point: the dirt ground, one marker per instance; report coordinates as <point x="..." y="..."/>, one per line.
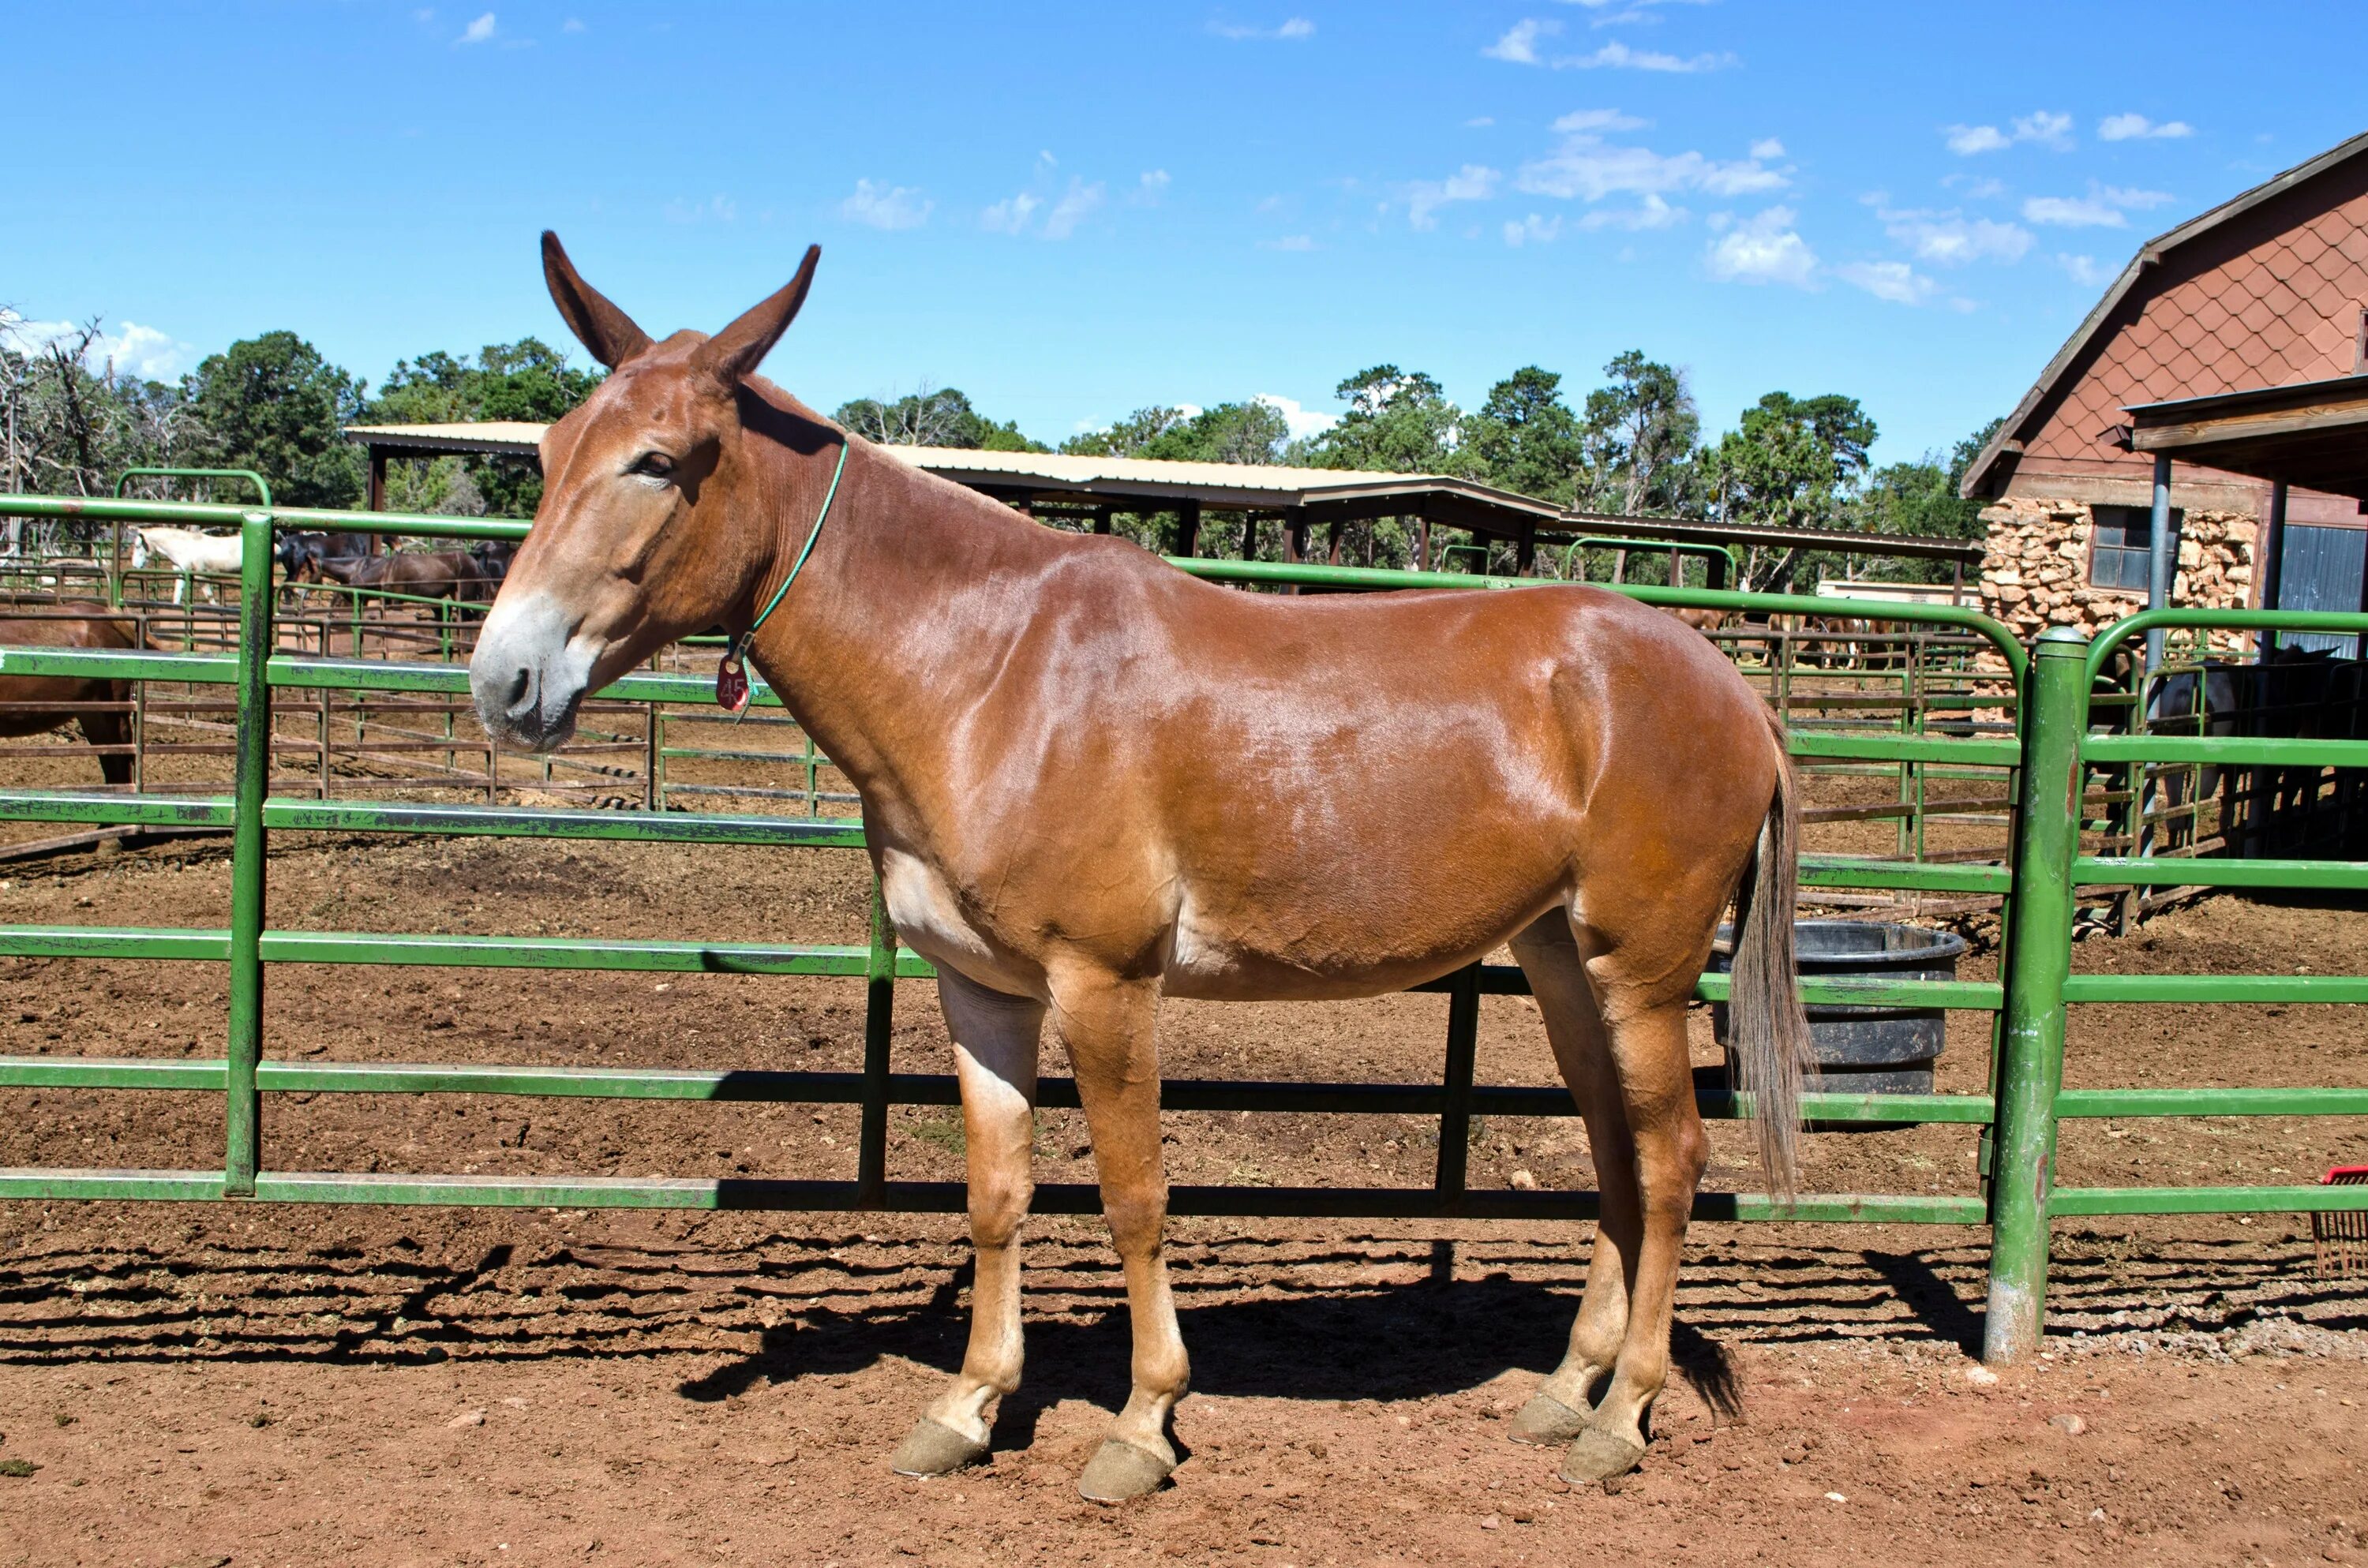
<point x="207" y="1385"/>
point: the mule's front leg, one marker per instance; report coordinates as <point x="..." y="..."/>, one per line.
<point x="994" y="1057"/>
<point x="1107" y="1025"/>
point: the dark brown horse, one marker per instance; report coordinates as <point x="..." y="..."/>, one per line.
<point x="429" y="574"/>
<point x="1089" y="780"/>
<point x="26" y="702"/>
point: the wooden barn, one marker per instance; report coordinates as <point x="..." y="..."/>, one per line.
<point x="2227" y="359"/>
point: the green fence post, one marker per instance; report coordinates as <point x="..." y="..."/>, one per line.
<point x="250" y="782"/>
<point x="2039" y="955"/>
<point x="878" y="1015"/>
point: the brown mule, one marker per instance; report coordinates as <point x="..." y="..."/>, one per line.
<point x="22" y="698"/>
<point x="1090" y="780"/>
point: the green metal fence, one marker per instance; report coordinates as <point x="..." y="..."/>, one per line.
<point x="2022" y="1112"/>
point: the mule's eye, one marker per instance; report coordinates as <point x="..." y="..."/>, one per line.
<point x="652" y="465"/>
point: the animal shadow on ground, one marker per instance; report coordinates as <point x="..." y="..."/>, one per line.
<point x="1349" y="1317"/>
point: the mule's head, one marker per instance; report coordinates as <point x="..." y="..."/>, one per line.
<point x="654" y="524"/>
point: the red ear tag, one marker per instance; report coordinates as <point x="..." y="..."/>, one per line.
<point x="732" y="684"/>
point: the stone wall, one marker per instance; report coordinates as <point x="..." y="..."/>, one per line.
<point x="2035" y="569"/>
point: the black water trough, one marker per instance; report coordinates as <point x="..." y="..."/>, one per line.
<point x="1866" y="1051"/>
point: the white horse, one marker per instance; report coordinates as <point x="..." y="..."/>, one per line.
<point x="185" y="551"/>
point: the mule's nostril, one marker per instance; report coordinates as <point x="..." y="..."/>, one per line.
<point x="521" y="692"/>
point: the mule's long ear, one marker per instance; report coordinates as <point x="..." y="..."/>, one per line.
<point x="738" y="349"/>
<point x="597" y="322"/>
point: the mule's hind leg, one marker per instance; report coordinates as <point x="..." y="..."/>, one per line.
<point x="1649" y="1054"/>
<point x="1558" y="1412"/>
<point x="1107" y="1025"/>
<point x="994" y="1058"/>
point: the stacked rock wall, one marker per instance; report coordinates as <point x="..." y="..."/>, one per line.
<point x="2035" y="570"/>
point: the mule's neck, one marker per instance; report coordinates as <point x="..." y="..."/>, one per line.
<point x="912" y="596"/>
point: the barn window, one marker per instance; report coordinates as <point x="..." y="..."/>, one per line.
<point x="2124" y="538"/>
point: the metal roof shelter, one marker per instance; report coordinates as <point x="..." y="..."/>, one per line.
<point x="1096" y="487"/>
<point x="1302" y="499"/>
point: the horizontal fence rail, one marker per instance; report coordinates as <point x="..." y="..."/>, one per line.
<point x="2045" y="705"/>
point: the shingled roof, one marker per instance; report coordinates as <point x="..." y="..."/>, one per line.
<point x="2263" y="290"/>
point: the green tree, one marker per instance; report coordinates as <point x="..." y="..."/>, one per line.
<point x="938" y="416"/>
<point x="1792" y="464"/>
<point x="1637" y="435"/>
<point x="1920" y="499"/>
<point x="1399" y="421"/>
<point x="1525" y="439"/>
<point x="274" y="405"/>
<point x="526" y="380"/>
<point x="1250" y="432"/>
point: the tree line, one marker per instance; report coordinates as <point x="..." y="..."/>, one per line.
<point x="1632" y="445"/>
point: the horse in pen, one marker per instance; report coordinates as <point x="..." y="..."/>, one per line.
<point x="34" y="705"/>
<point x="1611" y="782"/>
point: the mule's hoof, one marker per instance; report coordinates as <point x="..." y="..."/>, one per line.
<point x="935" y="1449"/>
<point x="1547" y="1421"/>
<point x="1598" y="1455"/>
<point x="1120" y="1470"/>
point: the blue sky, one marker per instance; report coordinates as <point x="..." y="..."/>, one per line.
<point x="1072" y="211"/>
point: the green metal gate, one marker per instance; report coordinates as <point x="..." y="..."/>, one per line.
<point x="2022" y="1112"/>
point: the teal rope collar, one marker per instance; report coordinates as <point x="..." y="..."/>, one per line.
<point x="732" y="676"/>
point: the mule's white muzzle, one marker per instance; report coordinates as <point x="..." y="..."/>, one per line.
<point x="530" y="673"/>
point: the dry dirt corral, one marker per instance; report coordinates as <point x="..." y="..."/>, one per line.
<point x="282" y="1386"/>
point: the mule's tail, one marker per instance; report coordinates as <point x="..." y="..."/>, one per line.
<point x="1767" y="1027"/>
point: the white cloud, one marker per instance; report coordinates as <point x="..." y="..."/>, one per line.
<point x="1010" y="216"/>
<point x="146" y="352"/>
<point x="477" y="31"/>
<point x="1152" y="186"/>
<point x="1588" y="167"/>
<point x="2127" y="127"/>
<point x="1762" y="249"/>
<point x="1618" y="56"/>
<point x="1767" y="147"/>
<point x="2042" y="127"/>
<point x="2085" y="270"/>
<point x="1292" y="29"/>
<point x="1892" y="281"/>
<point x="1950" y="239"/>
<point x="1532" y="230"/>
<point x="1519" y="44"/>
<point x="1480" y="122"/>
<point x="887" y="207"/>
<point x="1650" y="213"/>
<point x="1301" y="422"/>
<point x="2103" y="208"/>
<point x="573" y="25"/>
<point x="1075" y="207"/>
<point x="1472" y="182"/>
<point x="1290" y="242"/>
<point x="1583" y="119"/>
<point x="715" y="208"/>
<point x="1610" y="13"/>
<point x="2054" y="131"/>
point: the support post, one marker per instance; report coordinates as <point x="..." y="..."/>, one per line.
<point x="1250" y="536"/>
<point x="1101" y="519"/>
<point x="2162" y="557"/>
<point x="243" y="1109"/>
<point x="1187" y="529"/>
<point x="378" y="479"/>
<point x="879" y="1020"/>
<point x="2039" y="951"/>
<point x="1463" y="1049"/>
<point x="2269" y="564"/>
